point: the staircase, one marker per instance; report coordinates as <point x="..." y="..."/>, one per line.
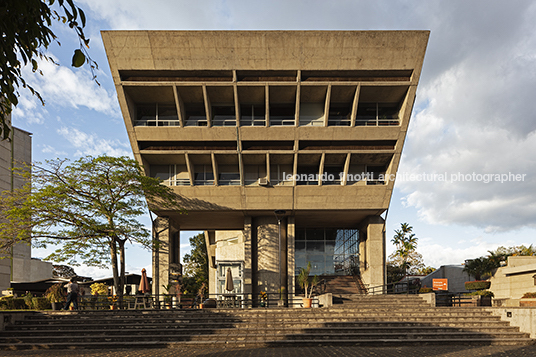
<point x="386" y="320"/>
<point x="341" y="284"/>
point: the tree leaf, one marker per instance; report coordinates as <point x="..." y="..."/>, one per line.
<point x="78" y="58"/>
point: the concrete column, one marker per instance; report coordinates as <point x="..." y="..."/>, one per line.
<point x="291" y="263"/>
<point x="266" y="272"/>
<point x="372" y="251"/>
<point x="248" y="254"/>
<point x="210" y="241"/>
<point x="165" y="270"/>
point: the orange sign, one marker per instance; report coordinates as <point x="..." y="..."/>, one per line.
<point x="440" y="284"/>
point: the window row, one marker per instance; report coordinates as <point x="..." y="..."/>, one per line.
<point x="188" y="106"/>
<point x="271" y="170"/>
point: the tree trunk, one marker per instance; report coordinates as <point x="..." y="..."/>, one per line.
<point x="113" y="252"/>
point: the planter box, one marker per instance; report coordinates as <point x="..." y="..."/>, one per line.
<point x="527" y="302"/>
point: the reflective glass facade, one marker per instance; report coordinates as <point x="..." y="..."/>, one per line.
<point x="331" y="251"/>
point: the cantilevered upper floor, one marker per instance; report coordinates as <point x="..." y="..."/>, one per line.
<point x="251" y="121"/>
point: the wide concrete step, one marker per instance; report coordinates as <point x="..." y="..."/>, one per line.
<point x="256" y="343"/>
<point x="376" y="328"/>
<point x="429" y="320"/>
<point x="234" y="335"/>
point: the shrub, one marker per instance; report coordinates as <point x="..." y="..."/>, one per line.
<point x="425" y="290"/>
<point x="28" y="300"/>
<point x="55" y="293"/>
<point x="99" y="289"/>
<point x="41" y="303"/>
<point x="477" y="285"/>
<point x="529" y="296"/>
<point x="12" y="303"/>
<point x="481" y="293"/>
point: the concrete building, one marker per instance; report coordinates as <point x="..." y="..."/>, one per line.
<point x="18" y="266"/>
<point x="515" y="279"/>
<point x="245" y="123"/>
<point x="453" y="273"/>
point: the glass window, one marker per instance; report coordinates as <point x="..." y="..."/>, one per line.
<point x="330" y="250"/>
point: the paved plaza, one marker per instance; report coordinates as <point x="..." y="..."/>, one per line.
<point x="404" y="351"/>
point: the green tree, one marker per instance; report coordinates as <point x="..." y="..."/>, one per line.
<point x="26" y="34"/>
<point x="196" y="264"/>
<point x="406" y="255"/>
<point x="425" y="270"/>
<point x="479" y="267"/>
<point x="88" y="209"/>
<point x="394" y="273"/>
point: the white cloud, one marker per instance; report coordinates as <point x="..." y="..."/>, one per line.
<point x="91" y="144"/>
<point x="47" y="149"/>
<point x="62" y="87"/>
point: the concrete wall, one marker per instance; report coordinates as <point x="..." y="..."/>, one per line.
<point x="20" y="151"/>
<point x="27" y="270"/>
<point x="455" y="275"/>
<point x="524" y="318"/>
<point x="515" y="279"/>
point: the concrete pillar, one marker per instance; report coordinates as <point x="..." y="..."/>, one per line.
<point x="372" y="251"/>
<point x="210" y="241"/>
<point x="291" y="264"/>
<point x="265" y="257"/>
<point x="166" y="254"/>
<point x="248" y="256"/>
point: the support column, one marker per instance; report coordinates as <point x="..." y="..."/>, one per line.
<point x="210" y="242"/>
<point x="291" y="263"/>
<point x="372" y="251"/>
<point x="166" y="254"/>
<point x="266" y="251"/>
<point x="248" y="256"/>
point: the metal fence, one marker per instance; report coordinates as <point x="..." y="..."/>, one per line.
<point x="172" y="301"/>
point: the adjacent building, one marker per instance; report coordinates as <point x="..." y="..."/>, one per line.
<point x="283" y="146"/>
<point x="19" y="265"/>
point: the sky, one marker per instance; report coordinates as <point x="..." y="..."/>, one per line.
<point x="467" y="177"/>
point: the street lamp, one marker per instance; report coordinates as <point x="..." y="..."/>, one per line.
<point x="279" y="214"/>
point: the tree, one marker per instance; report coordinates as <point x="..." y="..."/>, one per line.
<point x="63" y="271"/>
<point x="88" y="206"/>
<point x="425" y="270"/>
<point x="395" y="273"/>
<point x="406" y="255"/>
<point x="196" y="264"/>
<point x="479" y="266"/>
<point x="26" y="34"/>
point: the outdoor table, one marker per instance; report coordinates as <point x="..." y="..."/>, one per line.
<point x="144" y="302"/>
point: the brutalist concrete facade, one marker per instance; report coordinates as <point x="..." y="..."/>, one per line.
<point x="18" y="266"/>
<point x="244" y="123"/>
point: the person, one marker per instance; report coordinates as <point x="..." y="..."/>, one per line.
<point x="72" y="294"/>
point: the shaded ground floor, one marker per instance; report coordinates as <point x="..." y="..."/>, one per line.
<point x="269" y="251"/>
<point x="339" y="351"/>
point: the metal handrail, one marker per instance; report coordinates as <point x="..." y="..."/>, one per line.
<point x="188" y="301"/>
<point x="404" y="287"/>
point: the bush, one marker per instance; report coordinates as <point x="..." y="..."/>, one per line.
<point x="41" y="303"/>
<point x="477" y="285"/>
<point x="529" y="296"/>
<point x="28" y="300"/>
<point x="11" y="303"/>
<point x="99" y="289"/>
<point x="481" y="293"/>
<point x="425" y="290"/>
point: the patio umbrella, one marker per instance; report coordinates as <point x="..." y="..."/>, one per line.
<point x="144" y="283"/>
<point x="229" y="286"/>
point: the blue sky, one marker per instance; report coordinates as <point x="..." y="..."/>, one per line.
<point x="475" y="108"/>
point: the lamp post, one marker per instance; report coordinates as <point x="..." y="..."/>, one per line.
<point x="279" y="214"/>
